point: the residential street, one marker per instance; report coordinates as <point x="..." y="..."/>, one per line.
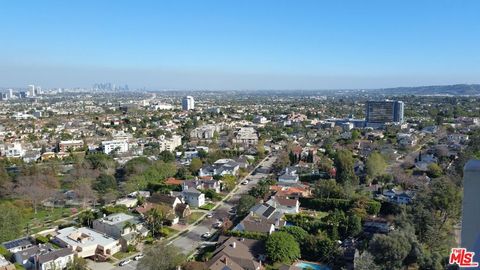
<point x="189" y="241"/>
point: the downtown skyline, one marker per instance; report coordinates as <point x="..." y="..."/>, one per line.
<point x="247" y="45"/>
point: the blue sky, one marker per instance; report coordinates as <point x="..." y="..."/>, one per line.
<point x="239" y="44"/>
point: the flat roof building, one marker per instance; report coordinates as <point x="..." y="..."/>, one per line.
<point x="379" y="113"/>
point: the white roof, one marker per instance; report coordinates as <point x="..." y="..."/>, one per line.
<point x="117" y="218"/>
<point x="83" y="237"/>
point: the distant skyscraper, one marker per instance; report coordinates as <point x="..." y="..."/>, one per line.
<point x="10" y="93"/>
<point x="470" y="235"/>
<point x="188" y="103"/>
<point x="31" y="90"/>
<point x="382" y="112"/>
<point x="38" y="90"/>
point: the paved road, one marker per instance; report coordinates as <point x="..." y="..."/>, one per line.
<point x="191" y="240"/>
<point x="188" y="242"/>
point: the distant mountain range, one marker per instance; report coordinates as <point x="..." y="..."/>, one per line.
<point x="455" y="90"/>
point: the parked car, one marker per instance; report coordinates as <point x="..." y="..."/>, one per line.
<point x="209" y="215"/>
<point x="206" y="235"/>
<point x="245" y="182"/>
<point x="125" y="262"/>
<point x="138" y="257"/>
<point x="218" y="225"/>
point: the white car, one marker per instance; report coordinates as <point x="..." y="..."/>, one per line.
<point x="206" y="235"/>
<point x="138" y="257"/>
<point x="245" y="182"/>
<point x="209" y="215"/>
<point x="218" y="225"/>
<point x="125" y="262"/>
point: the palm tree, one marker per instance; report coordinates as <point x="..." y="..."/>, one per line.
<point x="155" y="218"/>
<point x="129" y="225"/>
<point x="86" y="218"/>
<point x="133" y="229"/>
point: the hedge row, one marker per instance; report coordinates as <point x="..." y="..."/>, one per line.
<point x="328" y="204"/>
<point x="248" y="235"/>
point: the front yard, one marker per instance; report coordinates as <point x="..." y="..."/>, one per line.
<point x="194" y="217"/>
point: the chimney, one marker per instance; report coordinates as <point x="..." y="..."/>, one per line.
<point x="225" y="260"/>
<point x="234" y="245"/>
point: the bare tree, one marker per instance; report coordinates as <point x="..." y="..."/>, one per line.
<point x="36" y="185"/>
<point x="83" y="189"/>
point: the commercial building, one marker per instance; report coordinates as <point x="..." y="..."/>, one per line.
<point x="246" y="136"/>
<point x="169" y="144"/>
<point x="119" y="145"/>
<point x="382" y="112"/>
<point x="63" y="146"/>
<point x="188" y="103"/>
<point x="205" y="132"/>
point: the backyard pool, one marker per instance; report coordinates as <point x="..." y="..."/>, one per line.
<point x="310" y="265"/>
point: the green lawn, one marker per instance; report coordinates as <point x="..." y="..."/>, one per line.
<point x="45" y="218"/>
<point x="194" y="217"/>
<point x="123" y="255"/>
<point x="207" y="206"/>
<point x="168" y="231"/>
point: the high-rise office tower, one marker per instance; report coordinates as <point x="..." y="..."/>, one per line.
<point x="31" y="90"/>
<point x="38" y="90"/>
<point x="10" y="93"/>
<point x="382" y="112"/>
<point x="470" y="235"/>
<point x="188" y="103"/>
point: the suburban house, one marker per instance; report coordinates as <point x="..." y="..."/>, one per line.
<point x="286" y="205"/>
<point x="17" y="244"/>
<point x="424" y="160"/>
<point x="44" y="257"/>
<point x="220" y="167"/>
<point x="202" y="184"/>
<point x="237" y="254"/>
<point x="398" y="197"/>
<point x="87" y="242"/>
<point x="121" y="225"/>
<point x="193" y="197"/>
<point x="55" y="259"/>
<point x="270" y="213"/>
<point x="177" y="208"/>
<point x="290" y="176"/>
<point x="255" y="223"/>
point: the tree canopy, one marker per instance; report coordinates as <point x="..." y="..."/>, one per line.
<point x="282" y="247"/>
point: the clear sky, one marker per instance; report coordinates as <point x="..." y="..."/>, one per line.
<point x="226" y="44"/>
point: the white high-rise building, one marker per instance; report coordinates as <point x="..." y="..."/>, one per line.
<point x="10" y="93"/>
<point x="38" y="90"/>
<point x="188" y="103"/>
<point x="31" y="90"/>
